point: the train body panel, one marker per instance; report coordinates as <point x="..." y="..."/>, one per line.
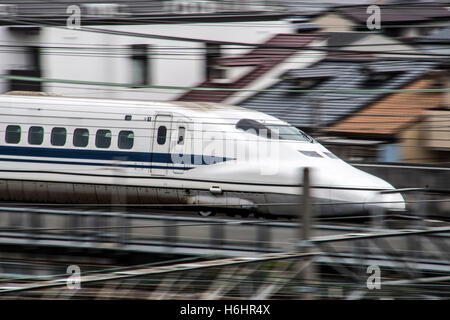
<point x="75" y="150"/>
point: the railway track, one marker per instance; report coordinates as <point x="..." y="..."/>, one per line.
<point x="143" y="229"/>
<point x="342" y="244"/>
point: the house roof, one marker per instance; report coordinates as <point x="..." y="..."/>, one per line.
<point x="398" y="14"/>
<point x="391" y="114"/>
<point x="262" y="59"/>
<point x="315" y="7"/>
<point x="307" y="110"/>
<point x="137" y="11"/>
<point x="439" y="36"/>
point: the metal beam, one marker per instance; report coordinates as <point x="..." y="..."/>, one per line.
<point x="141" y="272"/>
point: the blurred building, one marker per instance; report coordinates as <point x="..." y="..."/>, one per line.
<point x="322" y="111"/>
<point x="437" y="42"/>
<point x="400" y="127"/>
<point x="236" y="78"/>
<point x="263" y="67"/>
<point x="401" y="20"/>
<point x="134" y="43"/>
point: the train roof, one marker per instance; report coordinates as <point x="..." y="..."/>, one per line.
<point x="117" y="106"/>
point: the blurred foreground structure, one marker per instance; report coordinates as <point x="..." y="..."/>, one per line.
<point x="216" y="258"/>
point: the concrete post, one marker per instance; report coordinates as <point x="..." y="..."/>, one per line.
<point x="306" y="234"/>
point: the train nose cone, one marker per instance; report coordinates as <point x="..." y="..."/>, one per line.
<point x="387" y="201"/>
<point x="385" y="197"/>
<point x="354" y="190"/>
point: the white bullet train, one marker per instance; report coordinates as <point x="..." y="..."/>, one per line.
<point x="210" y="157"/>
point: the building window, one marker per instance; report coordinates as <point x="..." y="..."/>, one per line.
<point x="103" y="139"/>
<point x="389" y="152"/>
<point x="35" y="135"/>
<point x="30" y="68"/>
<point x="140" y="75"/>
<point x="304" y="84"/>
<point x="12" y="134"/>
<point x="393" y="32"/>
<point x="378" y="79"/>
<point x="162" y="135"/>
<point x="354" y="153"/>
<point x="212" y="53"/>
<point x="58" y="137"/>
<point x="126" y="139"/>
<point x="34" y="58"/>
<point x="80" y="137"/>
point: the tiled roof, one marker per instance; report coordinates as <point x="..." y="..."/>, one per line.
<point x="38" y="8"/>
<point x="140" y="11"/>
<point x="342" y="39"/>
<point x="263" y="60"/>
<point x="397" y="14"/>
<point x="439" y="36"/>
<point x="389" y="115"/>
<point x="304" y="110"/>
<point x="315" y="7"/>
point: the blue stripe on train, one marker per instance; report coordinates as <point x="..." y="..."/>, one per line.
<point x="92" y="164"/>
<point x="85" y="154"/>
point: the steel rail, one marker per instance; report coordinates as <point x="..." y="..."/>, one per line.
<point x="162" y="270"/>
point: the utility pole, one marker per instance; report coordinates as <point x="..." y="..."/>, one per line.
<point x="306" y="211"/>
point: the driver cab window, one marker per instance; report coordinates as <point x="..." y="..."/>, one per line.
<point x="254" y="126"/>
<point x="273" y="131"/>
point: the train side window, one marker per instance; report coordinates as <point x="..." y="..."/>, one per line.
<point x="162" y="135"/>
<point x="58" y="136"/>
<point x="13" y="134"/>
<point x="126" y="140"/>
<point x="181" y="134"/>
<point x="35" y="135"/>
<point x="80" y="137"/>
<point x="103" y="139"/>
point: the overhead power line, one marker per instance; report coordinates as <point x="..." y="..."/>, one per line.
<point x="132" y="85"/>
<point x="36" y="22"/>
